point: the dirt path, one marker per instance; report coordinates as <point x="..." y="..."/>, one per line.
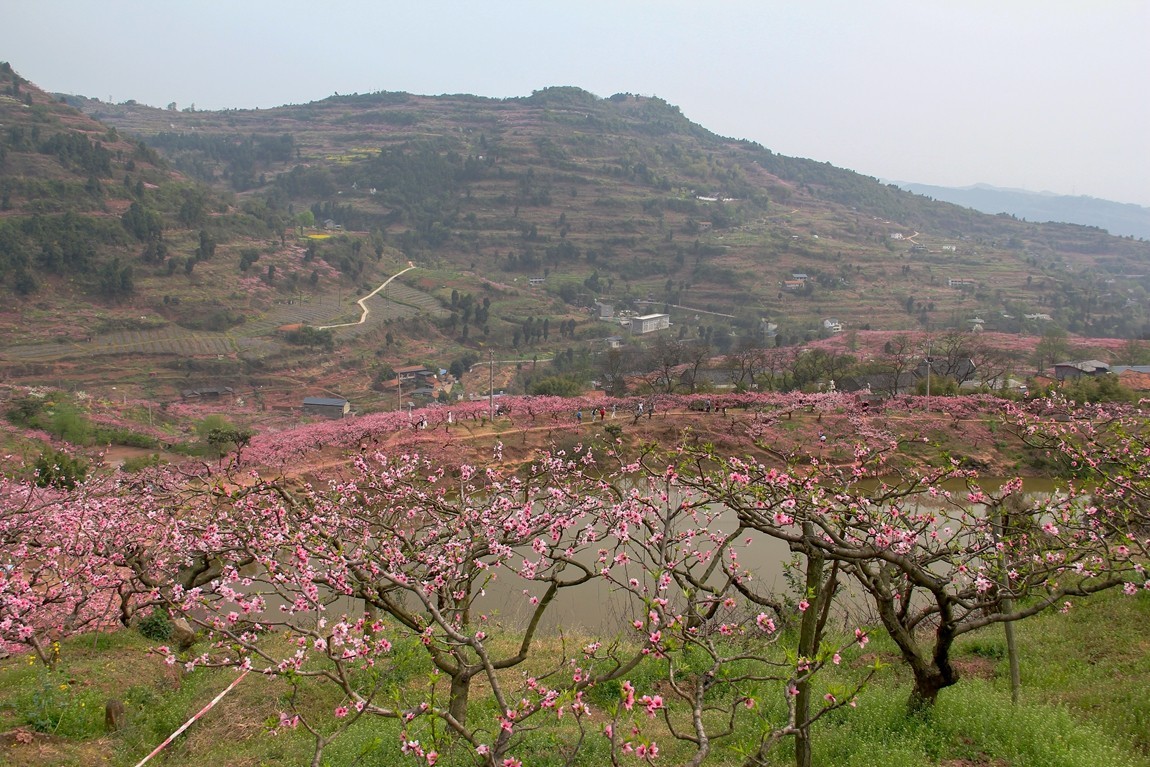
<point x="364" y="310"/>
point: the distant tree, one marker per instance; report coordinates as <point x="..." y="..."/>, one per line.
<point x="192" y="209"/>
<point x="116" y="280"/>
<point x="313" y="337"/>
<point x="248" y="256"/>
<point x="207" y="247"/>
<point x="1052" y="348"/>
<point x="557" y="386"/>
<point x="142" y="223"/>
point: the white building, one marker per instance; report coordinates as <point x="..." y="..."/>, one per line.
<point x="649" y="323"/>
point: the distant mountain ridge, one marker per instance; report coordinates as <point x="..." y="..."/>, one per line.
<point x="1118" y="218"/>
<point x="538" y="204"/>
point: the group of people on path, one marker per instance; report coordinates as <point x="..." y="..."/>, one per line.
<point x="596" y="412"/>
<point x="641" y="409"/>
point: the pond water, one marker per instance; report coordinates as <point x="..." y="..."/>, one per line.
<point x="601" y="609"/>
<point x="598" y="607"/>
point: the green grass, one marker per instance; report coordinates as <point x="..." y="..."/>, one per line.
<point x="1085" y="703"/>
<point x="973" y="721"/>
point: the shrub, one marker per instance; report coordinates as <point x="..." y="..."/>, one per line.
<point x="139" y="463"/>
<point x="56" y="468"/>
<point x="157" y="626"/>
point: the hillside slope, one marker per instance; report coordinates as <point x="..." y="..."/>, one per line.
<point x="626" y="200"/>
<point x="107" y="251"/>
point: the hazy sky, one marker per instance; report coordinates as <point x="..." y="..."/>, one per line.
<point x="1036" y="94"/>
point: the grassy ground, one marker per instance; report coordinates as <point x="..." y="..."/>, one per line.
<point x="1085" y="701"/>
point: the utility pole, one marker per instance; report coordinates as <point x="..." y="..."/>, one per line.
<point x="491" y="386"/>
<point x="928" y="367"/>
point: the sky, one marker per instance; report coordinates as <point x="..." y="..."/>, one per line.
<point x="1044" y="95"/>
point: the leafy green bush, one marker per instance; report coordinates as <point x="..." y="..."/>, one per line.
<point x="156" y="625"/>
<point x="311" y="337"/>
<point x="133" y="465"/>
<point x="56" y="468"/>
<point x="27" y="412"/>
<point x="121" y="436"/>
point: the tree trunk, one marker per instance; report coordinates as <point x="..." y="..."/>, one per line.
<point x="929" y="680"/>
<point x="457" y="702"/>
<point x="809" y="636"/>
<point x="924" y="694"/>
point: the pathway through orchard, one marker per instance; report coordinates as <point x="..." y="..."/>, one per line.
<point x="463" y="431"/>
<point x="365" y="311"/>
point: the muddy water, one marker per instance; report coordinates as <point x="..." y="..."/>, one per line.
<point x="600" y="609"/>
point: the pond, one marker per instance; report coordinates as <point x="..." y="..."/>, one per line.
<point x="601" y="608"/>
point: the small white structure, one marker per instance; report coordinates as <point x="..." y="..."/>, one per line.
<point x="649" y="323"/>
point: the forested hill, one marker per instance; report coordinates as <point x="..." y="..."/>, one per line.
<point x="620" y="199"/>
<point x="84" y="209"/>
<point x="624" y="198"/>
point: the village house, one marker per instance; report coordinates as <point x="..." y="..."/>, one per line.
<point x="1067" y="371"/>
<point x="649" y="323"/>
<point x="327" y="407"/>
<point x="1133" y="377"/>
<point x="207" y="392"/>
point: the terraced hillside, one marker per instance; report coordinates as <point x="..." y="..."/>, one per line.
<point x="624" y="199"/>
<point x="520" y="215"/>
<point x="256" y="339"/>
